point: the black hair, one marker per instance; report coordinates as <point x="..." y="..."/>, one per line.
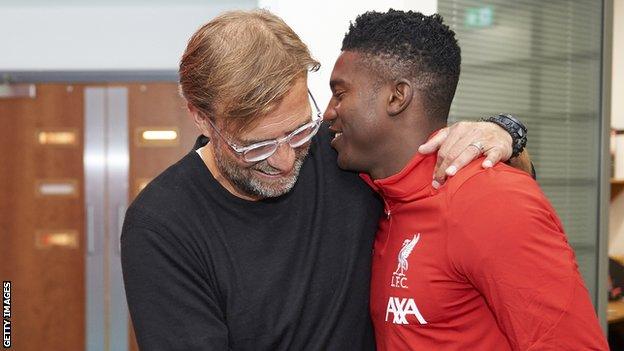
<point x="399" y="44"/>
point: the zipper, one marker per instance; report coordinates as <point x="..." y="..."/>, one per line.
<point x="388" y="213"/>
<point x="387" y="209"/>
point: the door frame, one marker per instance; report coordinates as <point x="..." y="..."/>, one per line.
<point x="96" y="77"/>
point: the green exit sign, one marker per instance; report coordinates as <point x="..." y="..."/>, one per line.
<point x="479" y="17"/>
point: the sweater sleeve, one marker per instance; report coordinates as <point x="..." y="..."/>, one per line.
<point x="506" y="240"/>
<point x="172" y="304"/>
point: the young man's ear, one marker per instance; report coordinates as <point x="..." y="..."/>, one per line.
<point x="400" y="97"/>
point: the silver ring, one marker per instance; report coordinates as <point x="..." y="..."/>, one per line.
<point x="478" y="145"/>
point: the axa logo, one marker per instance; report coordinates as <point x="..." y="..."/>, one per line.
<point x="400" y="308"/>
<point x="399" y="279"/>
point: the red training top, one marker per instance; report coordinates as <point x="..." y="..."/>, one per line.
<point x="480" y="264"/>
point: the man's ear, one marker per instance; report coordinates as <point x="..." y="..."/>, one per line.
<point x="198" y="119"/>
<point x="400" y="97"/>
<point x="195" y="113"/>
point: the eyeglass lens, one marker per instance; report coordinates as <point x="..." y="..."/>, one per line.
<point x="298" y="139"/>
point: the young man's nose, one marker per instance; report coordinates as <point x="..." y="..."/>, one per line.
<point x="330" y="113"/>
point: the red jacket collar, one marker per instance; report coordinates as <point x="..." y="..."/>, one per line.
<point x="411" y="183"/>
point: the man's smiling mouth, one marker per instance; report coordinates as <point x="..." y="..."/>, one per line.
<point x="336" y="139"/>
<point x="337" y="133"/>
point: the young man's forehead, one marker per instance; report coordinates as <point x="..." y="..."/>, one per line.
<point x="345" y="68"/>
<point x="336" y="82"/>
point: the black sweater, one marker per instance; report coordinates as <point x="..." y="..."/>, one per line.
<point x="206" y="270"/>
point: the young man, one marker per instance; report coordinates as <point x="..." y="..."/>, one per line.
<point x="481" y="263"/>
<point x="256" y="240"/>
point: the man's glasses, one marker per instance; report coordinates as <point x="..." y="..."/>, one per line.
<point x="261" y="151"/>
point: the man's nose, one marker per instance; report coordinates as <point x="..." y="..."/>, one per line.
<point x="330" y="113"/>
<point x="283" y="158"/>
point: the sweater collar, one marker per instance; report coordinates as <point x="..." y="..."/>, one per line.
<point x="411" y="183"/>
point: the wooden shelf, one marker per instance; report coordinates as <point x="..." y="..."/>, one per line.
<point x="615" y="181"/>
<point x="615" y="311"/>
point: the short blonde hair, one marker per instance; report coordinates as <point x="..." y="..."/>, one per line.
<point x="240" y="65"/>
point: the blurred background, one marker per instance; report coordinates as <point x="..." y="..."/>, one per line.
<point x="90" y="113"/>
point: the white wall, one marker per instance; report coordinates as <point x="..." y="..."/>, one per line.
<point x="322" y="25"/>
<point x="139" y="35"/>
<point x="73" y="36"/>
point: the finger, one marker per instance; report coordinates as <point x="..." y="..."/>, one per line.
<point x="434" y="143"/>
<point x="470" y="153"/>
<point x="444" y="160"/>
<point x="448" y="151"/>
<point x="500" y="140"/>
<point x="493" y="156"/>
<point x="460" y="131"/>
<point x="439" y="177"/>
<point x="452" y="152"/>
<point x="436" y="173"/>
<point x="504" y="151"/>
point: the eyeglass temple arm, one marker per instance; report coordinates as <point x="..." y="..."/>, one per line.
<point x="318" y="110"/>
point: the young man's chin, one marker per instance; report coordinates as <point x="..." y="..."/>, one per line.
<point x="344" y="160"/>
<point x="346" y="164"/>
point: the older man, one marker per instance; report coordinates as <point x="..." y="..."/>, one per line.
<point x="256" y="240"/>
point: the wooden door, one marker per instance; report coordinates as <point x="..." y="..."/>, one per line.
<point x="43" y="241"/>
<point x="42" y="217"/>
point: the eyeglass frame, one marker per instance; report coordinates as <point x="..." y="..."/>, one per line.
<point x="241" y="150"/>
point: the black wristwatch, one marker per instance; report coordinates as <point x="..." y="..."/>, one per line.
<point x="515" y="128"/>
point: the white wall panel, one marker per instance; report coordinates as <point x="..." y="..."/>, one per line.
<point x="322" y="25"/>
<point x="71" y="37"/>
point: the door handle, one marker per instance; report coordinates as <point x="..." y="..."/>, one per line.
<point x="90" y="230"/>
<point x="121" y="213"/>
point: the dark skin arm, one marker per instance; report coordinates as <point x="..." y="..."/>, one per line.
<point x="522" y="162"/>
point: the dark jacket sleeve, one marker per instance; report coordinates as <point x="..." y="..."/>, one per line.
<point x="172" y="304"/>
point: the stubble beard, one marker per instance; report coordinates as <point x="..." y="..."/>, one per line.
<point x="246" y="181"/>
